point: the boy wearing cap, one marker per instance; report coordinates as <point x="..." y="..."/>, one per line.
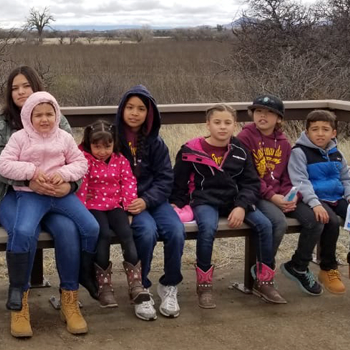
<point x="271" y="150"/>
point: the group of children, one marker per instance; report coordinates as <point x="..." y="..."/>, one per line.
<point x="126" y="171"/>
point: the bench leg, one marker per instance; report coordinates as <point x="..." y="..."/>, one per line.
<point x="249" y="261"/>
<point x="37" y="279"/>
<point x="56" y="302"/>
<point x="316" y="257"/>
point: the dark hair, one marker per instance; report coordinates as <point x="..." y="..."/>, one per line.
<point x="11" y="112"/>
<point x="321" y="115"/>
<point x="141" y="135"/>
<point x="100" y="131"/>
<point x="220" y="107"/>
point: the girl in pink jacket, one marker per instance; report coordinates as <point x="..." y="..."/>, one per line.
<point x="108" y="189"/>
<point x="43" y="152"/>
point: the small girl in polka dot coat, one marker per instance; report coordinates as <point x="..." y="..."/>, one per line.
<point x="107" y="190"/>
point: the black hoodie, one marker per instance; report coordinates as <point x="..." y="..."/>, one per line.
<point x="155" y="175"/>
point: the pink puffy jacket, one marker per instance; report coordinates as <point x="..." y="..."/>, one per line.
<point x="28" y="150"/>
<point x="107" y="186"/>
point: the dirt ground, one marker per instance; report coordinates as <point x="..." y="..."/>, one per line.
<point x="240" y="321"/>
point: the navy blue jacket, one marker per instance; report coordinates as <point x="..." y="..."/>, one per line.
<point x="155" y="178"/>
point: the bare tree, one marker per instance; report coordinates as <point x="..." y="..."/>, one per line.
<point x="8" y="38"/>
<point x="39" y="20"/>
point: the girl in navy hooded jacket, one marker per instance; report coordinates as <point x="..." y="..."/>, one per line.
<point x="138" y="123"/>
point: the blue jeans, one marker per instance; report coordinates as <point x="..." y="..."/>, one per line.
<point x="207" y="218"/>
<point x="64" y="233"/>
<point x="160" y="222"/>
<point x="31" y="208"/>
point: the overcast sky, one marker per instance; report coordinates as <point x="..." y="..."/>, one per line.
<point x="117" y="12"/>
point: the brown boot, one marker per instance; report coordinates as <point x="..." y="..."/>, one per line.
<point x="70" y="312"/>
<point x="205" y="288"/>
<point x="105" y="288"/>
<point x="138" y="294"/>
<point x="20" y="320"/>
<point x="264" y="285"/>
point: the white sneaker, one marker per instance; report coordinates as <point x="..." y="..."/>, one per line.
<point x="146" y="311"/>
<point x="169" y="306"/>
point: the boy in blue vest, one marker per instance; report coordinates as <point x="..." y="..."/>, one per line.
<point x="322" y="171"/>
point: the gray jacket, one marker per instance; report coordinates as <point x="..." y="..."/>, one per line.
<point x="327" y="172"/>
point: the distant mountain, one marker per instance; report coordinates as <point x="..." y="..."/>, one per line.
<point x="102" y="28"/>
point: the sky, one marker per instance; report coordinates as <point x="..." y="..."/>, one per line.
<point x="158" y="13"/>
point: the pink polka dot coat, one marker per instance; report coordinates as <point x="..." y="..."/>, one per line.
<point x="107" y="186"/>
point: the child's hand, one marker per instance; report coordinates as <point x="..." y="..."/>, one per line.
<point x="321" y="214"/>
<point x="56" y="179"/>
<point x="40" y="176"/>
<point x="137" y="206"/>
<point x="236" y="217"/>
<point x="285" y="206"/>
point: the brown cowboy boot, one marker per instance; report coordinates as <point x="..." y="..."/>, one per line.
<point x="137" y="292"/>
<point x="205" y="288"/>
<point x="70" y="312"/>
<point x="105" y="289"/>
<point x="264" y="285"/>
<point x="20" y="320"/>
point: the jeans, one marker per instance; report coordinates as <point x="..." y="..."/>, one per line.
<point x="160" y="222"/>
<point x="278" y="221"/>
<point x="313" y="231"/>
<point x="207" y="218"/>
<point x="65" y="236"/>
<point x="31" y="208"/>
<point x="116" y="220"/>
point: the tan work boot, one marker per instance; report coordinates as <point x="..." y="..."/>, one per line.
<point x="20" y="320"/>
<point x="205" y="288"/>
<point x="70" y="312"/>
<point x="331" y="281"/>
<point x="138" y="294"/>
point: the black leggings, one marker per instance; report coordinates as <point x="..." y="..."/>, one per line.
<point x="116" y="220"/>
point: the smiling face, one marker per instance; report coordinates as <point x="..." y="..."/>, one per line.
<point x="43" y="117"/>
<point x="321" y="133"/>
<point x="221" y="126"/>
<point x="102" y="150"/>
<point x="265" y="120"/>
<point x="135" y="113"/>
<point x="21" y="90"/>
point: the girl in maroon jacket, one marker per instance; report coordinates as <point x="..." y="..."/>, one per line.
<point x="108" y="189"/>
<point x="271" y="150"/>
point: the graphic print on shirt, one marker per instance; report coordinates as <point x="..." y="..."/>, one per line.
<point x="217" y="159"/>
<point x="266" y="159"/>
<point x="133" y="149"/>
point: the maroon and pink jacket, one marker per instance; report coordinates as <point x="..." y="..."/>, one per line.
<point x="270" y="155"/>
<point x="107" y="186"/>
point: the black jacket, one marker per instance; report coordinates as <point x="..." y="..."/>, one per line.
<point x="199" y="180"/>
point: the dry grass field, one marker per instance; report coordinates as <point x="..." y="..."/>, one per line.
<point x="175" y="72"/>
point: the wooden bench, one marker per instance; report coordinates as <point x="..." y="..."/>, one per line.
<point x="45" y="241"/>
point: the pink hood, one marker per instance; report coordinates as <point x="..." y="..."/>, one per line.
<point x="33" y="100"/>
